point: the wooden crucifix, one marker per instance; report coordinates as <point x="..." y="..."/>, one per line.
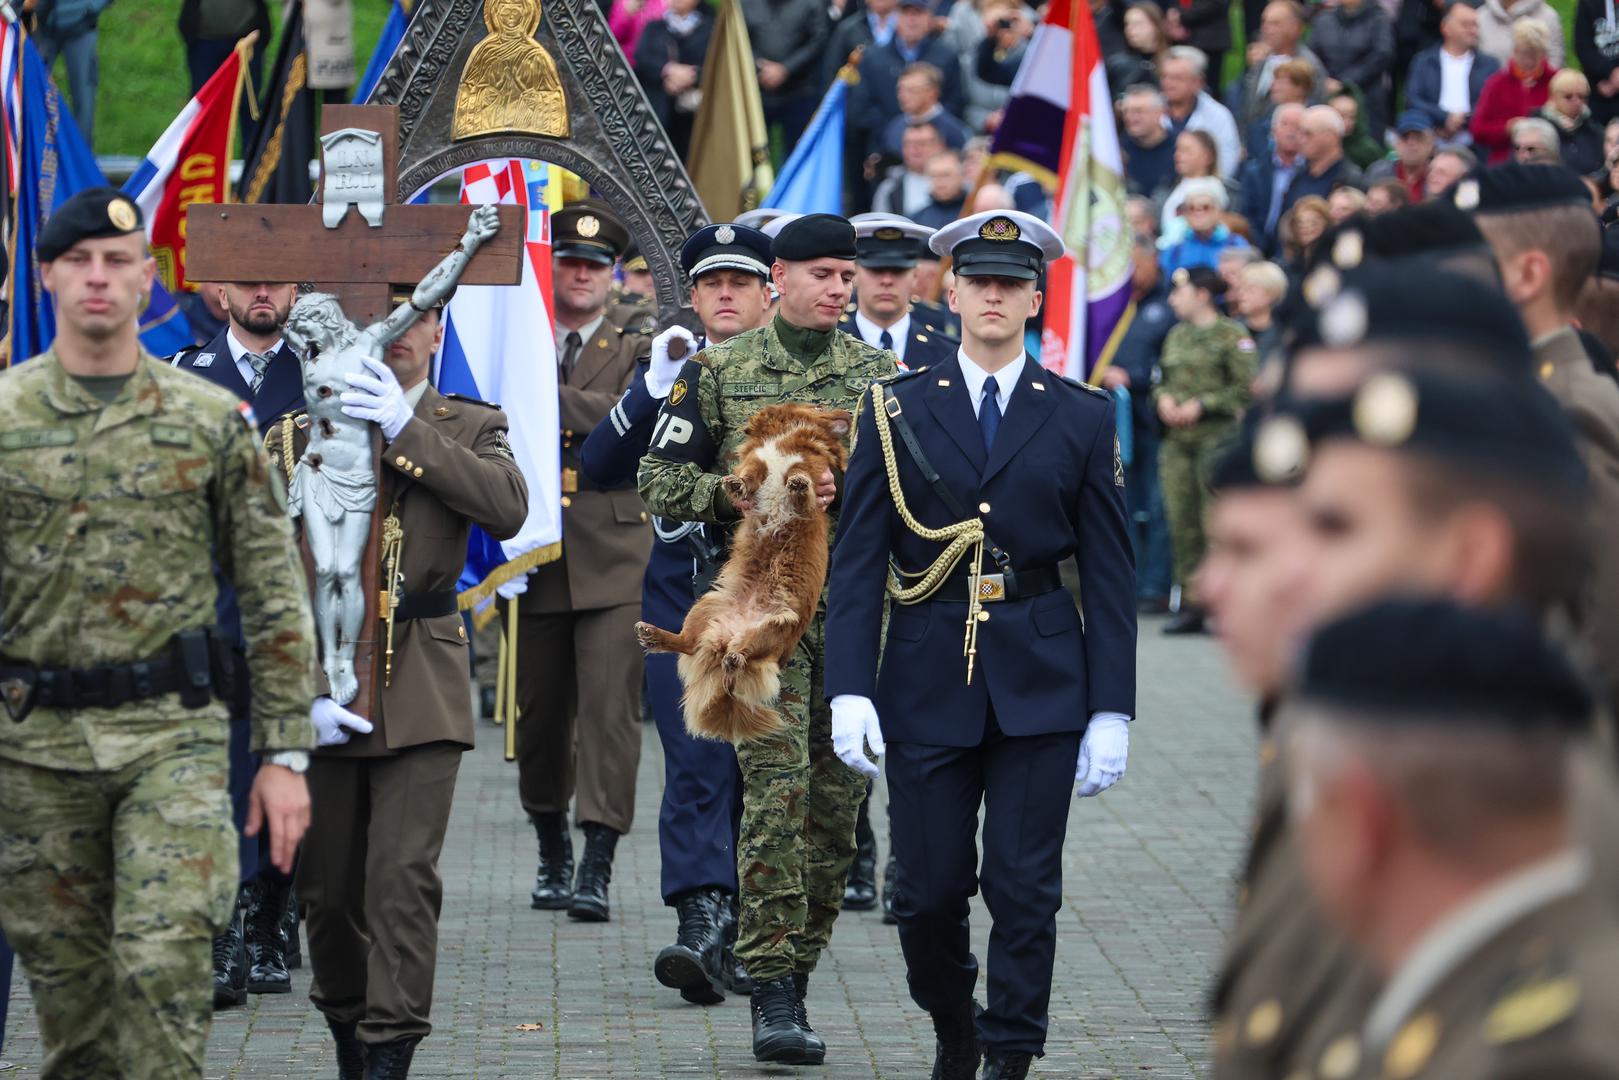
<point x="358" y="251"/>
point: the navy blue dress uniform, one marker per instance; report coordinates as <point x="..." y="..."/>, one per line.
<point x="922" y="336"/>
<point x="1048" y="487"/>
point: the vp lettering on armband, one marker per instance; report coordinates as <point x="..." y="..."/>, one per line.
<point x="671" y="431"/>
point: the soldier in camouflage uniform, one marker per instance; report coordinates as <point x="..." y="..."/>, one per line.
<point x="799" y="801"/>
<point x="1205" y="376"/>
<point x="121" y="480"/>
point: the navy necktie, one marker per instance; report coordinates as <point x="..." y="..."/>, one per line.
<point x="989" y="412"/>
<point x="885" y="340"/>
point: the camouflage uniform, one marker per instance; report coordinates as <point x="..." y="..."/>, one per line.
<point x="117" y="849"/>
<point x="799" y="801"/>
<point x="1216" y="365"/>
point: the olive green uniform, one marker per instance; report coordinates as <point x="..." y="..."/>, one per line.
<point x="117" y="848"/>
<point x="1216" y="365"/>
<point x="799" y="801"/>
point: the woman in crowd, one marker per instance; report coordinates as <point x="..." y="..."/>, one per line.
<point x="627" y="19"/>
<point x="1293" y="83"/>
<point x="1345" y="202"/>
<point x="1146" y="37"/>
<point x="1579" y="138"/>
<point x="1198" y="236"/>
<point x="1260" y="287"/>
<point x="669" y="64"/>
<point x="1516" y="91"/>
<point x="1301" y="229"/>
<point x="1359" y="145"/>
<point x="1196" y="158"/>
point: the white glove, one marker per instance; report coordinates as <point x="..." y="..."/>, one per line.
<point x="854" y="725"/>
<point x="660" y="377"/>
<point x="379" y="399"/>
<point x="1102" y="754"/>
<point x="333" y="722"/>
<point x="514" y="588"/>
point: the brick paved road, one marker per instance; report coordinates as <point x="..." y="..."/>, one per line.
<point x="1147" y="892"/>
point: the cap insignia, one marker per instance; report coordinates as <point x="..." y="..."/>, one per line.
<point x="1348" y="250"/>
<point x="1280" y="449"/>
<point x="122" y="214"/>
<point x="888" y="232"/>
<point x="1467" y="195"/>
<point x="589" y="226"/>
<point x="724" y="234"/>
<point x="1002" y="230"/>
<point x="1385" y="410"/>
<point x="1344" y="320"/>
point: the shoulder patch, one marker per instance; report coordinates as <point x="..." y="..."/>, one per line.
<point x="470" y="401"/>
<point x="245" y="411"/>
<point x="1245" y="344"/>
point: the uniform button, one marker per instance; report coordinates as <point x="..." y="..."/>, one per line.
<point x="417" y="471"/>
<point x="983" y="508"/>
<point x="983" y="616"/>
<point x="400" y="461"/>
<point x="461" y="631"/>
<point x="566" y="502"/>
<point x="643" y="515"/>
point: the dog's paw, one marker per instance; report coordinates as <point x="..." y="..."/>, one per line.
<point x="734" y="662"/>
<point x="735" y="488"/>
<point x="647" y="635"/>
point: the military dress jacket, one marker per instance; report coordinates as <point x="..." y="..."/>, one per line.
<point x="281" y="392"/>
<point x="925" y="346"/>
<point x="699" y="429"/>
<point x="606" y="534"/>
<point x="1050" y="488"/>
<point x="448" y="469"/>
<point x="112" y="518"/>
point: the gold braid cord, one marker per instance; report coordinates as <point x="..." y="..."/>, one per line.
<point x="958" y="540"/>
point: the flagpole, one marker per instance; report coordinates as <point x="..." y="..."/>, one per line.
<point x="8" y="341"/>
<point x="244" y="49"/>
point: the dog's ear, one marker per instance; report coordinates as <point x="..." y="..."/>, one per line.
<point x="837" y="421"/>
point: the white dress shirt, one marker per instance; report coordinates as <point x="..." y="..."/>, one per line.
<point x="1005" y="379"/>
<point x="872" y="334"/>
<point x="1454" y="96"/>
<point x="238" y="353"/>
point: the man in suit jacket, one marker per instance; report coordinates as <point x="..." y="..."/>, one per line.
<point x="579" y="673"/>
<point x="876" y="96"/>
<point x="1447" y="79"/>
<point x="369" y="879"/>
<point x="250" y="359"/>
<point x="1040" y="700"/>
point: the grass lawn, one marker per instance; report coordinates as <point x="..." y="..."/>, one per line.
<point x="143" y="70"/>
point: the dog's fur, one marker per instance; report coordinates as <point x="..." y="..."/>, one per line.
<point x="737" y="637"/>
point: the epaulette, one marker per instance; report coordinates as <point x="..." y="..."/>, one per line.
<point x="173" y="359"/>
<point x="475" y="401"/>
<point x="1097" y="390"/>
<point x="900" y="376"/>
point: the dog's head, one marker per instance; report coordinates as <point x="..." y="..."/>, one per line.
<point x="792" y="438"/>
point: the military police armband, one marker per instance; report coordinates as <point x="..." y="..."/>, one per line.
<point x="680" y="433"/>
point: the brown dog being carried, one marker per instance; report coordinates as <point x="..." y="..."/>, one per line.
<point x="738" y="635"/>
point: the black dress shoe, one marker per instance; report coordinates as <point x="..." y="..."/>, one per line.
<point x="295" y="949"/>
<point x="350" y="1051"/>
<point x="890" y="887"/>
<point x="860" y="889"/>
<point x="1189" y="621"/>
<point x="553" y="881"/>
<point x="1006" y="1065"/>
<point x="814" y="1045"/>
<point x="691" y="964"/>
<point x="230" y="962"/>
<point x="389" y="1060"/>
<point x="776" y="1034"/>
<point x="956" y="1049"/>
<point x="595" y="872"/>
<point x="265" y="924"/>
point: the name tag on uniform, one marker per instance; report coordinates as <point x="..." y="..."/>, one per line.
<point x="29" y="438"/>
<point x="170" y="435"/>
<point x="753" y="389"/>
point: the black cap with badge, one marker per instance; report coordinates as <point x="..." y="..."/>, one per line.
<point x="1514" y="187"/>
<point x="88" y="215"/>
<point x="590" y="230"/>
<point x="888" y="241"/>
<point x="998" y="243"/>
<point x="725" y="246"/>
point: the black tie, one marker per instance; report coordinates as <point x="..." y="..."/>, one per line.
<point x="989" y="412"/>
<point x="885" y="340"/>
<point x="570" y="354"/>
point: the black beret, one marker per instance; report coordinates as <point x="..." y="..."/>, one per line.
<point x="1514" y="187"/>
<point x="1429" y="228"/>
<point x="815" y="236"/>
<point x="89" y="214"/>
<point x="726" y="246"/>
<point x="1268" y="450"/>
<point x="588" y="229"/>
<point x="1200" y="277"/>
<point x="1510" y="426"/>
<point x="1410" y="301"/>
<point x="1446" y="663"/>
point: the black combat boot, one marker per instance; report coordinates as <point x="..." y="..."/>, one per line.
<point x="776" y="1034"/>
<point x="389" y="1060"/>
<point x="732" y="971"/>
<point x="691" y="964"/>
<point x="350" y="1051"/>
<point x="956" y="1050"/>
<point x="814" y="1045"/>
<point x="890" y="886"/>
<point x="553" y="881"/>
<point x="860" y="890"/>
<point x="595" y="871"/>
<point x="295" y="949"/>
<point x="267" y="937"/>
<point x="230" y="960"/>
<point x="1006" y="1065"/>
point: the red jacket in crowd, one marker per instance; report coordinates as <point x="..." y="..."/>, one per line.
<point x="1508" y="95"/>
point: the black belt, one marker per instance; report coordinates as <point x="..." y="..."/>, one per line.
<point x="196" y="665"/>
<point x="425" y="605"/>
<point x="993" y="587"/>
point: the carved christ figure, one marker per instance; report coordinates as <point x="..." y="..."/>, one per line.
<point x="510" y="82"/>
<point x="334" y="486"/>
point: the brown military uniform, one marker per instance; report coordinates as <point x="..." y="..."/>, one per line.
<point x="579" y="667"/>
<point x="632" y="312"/>
<point x="368" y="875"/>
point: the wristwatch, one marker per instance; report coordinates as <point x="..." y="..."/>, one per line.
<point x="296" y="760"/>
